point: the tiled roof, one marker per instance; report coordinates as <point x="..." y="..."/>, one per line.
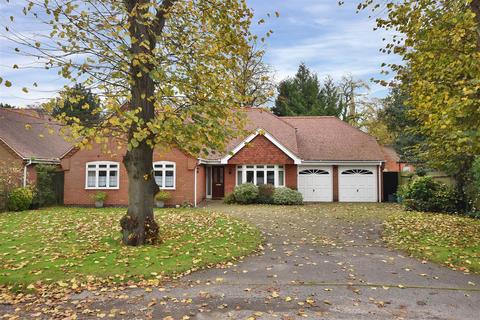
<point x="313" y="138"/>
<point x="31" y="136"/>
<point x="329" y="138"/>
<point x="263" y="119"/>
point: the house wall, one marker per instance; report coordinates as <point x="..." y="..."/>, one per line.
<point x="260" y="151"/>
<point x="75" y="173"/>
<point x="230" y="179"/>
<point x="7" y="155"/>
<point x="291" y="179"/>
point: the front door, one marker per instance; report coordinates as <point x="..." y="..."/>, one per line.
<point x="218" y="178"/>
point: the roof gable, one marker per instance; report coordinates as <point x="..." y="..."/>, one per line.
<point x="254" y="136"/>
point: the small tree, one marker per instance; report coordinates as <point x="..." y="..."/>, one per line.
<point x="167" y="72"/>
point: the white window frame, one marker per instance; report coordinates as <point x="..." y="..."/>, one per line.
<point x="164" y="170"/>
<point x="97" y="169"/>
<point x="276" y="168"/>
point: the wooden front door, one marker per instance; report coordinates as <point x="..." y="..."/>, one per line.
<point x="218" y="184"/>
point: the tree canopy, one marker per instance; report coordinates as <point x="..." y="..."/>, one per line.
<point x="305" y="94"/>
<point x="439" y="42"/>
<point x="166" y="72"/>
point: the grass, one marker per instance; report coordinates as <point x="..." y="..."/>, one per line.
<point x="447" y="239"/>
<point x="58" y="244"/>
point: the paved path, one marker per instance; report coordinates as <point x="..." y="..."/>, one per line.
<point x="315" y="265"/>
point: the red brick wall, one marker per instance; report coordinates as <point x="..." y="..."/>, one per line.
<point x="230" y="178"/>
<point x="335" y="184"/>
<point x="291" y="176"/>
<point x="75" y="171"/>
<point x="260" y="150"/>
<point x="9" y="157"/>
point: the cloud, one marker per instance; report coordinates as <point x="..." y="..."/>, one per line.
<point x="332" y="40"/>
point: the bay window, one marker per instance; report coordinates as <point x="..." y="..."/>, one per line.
<point x="102" y="175"/>
<point x="164" y="172"/>
<point x="261" y="174"/>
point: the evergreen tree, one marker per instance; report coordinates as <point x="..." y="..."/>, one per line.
<point x="330" y="98"/>
<point x="299" y="95"/>
<point x="305" y="95"/>
<point x="6" y="106"/>
<point x="79" y="103"/>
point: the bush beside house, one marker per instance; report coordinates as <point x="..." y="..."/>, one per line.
<point x="426" y="194"/>
<point x="249" y="193"/>
<point x="20" y="199"/>
<point x="286" y="196"/>
<point x="265" y="194"/>
<point x="44" y="189"/>
<point x="246" y="193"/>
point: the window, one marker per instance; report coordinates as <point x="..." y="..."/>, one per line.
<point x="164" y="172"/>
<point x="261" y="174"/>
<point x="209" y="181"/>
<point x="313" y="171"/>
<point x="357" y="171"/>
<point x="102" y="175"/>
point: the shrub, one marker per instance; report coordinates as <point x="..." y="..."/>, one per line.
<point x="45" y="189"/>
<point x="426" y="194"/>
<point x="163" y="196"/>
<point x="287" y="196"/>
<point x="99" y="196"/>
<point x="20" y="199"/>
<point x="229" y="199"/>
<point x="265" y="193"/>
<point x="245" y="193"/>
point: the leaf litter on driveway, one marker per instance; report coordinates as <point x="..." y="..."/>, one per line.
<point x="319" y="261"/>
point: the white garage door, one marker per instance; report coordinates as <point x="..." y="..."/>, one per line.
<point x="315" y="184"/>
<point x="357" y="184"/>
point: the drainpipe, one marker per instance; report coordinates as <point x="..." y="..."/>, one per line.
<point x="25" y="172"/>
<point x="195" y="186"/>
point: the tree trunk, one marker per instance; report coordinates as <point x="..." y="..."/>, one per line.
<point x="138" y="225"/>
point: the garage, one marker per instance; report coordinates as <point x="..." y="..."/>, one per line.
<point x="315" y="184"/>
<point x="357" y="184"/>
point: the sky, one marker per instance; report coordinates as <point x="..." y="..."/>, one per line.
<point x="329" y="39"/>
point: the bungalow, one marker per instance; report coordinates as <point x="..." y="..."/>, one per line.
<point x="324" y="158"/>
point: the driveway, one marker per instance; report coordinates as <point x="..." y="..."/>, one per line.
<point x="319" y="261"/>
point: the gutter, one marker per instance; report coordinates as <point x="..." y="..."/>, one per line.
<point x="25" y="172"/>
<point x="195" y="185"/>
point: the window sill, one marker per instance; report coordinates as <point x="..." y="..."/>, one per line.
<point x="93" y="188"/>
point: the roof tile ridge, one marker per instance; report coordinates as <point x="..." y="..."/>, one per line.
<point x="19" y="112"/>
<point x="283" y="121"/>
<point x="308" y="117"/>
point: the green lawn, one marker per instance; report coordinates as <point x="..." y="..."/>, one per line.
<point x="58" y="244"/>
<point x="442" y="238"/>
